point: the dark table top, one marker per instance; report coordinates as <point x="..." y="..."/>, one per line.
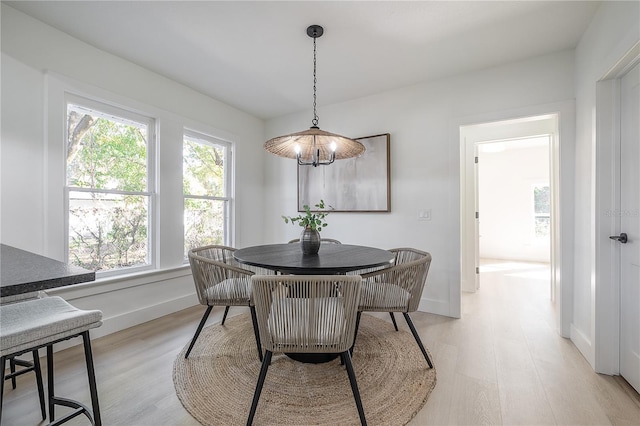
<point x="331" y="259"/>
<point x="24" y="272"/>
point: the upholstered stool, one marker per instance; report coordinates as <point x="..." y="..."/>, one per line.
<point x="33" y="324"/>
<point x="26" y="365"/>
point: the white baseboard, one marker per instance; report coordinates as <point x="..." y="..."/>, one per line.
<point x="133" y="318"/>
<point x="433" y="306"/>
<point x="144" y="314"/>
<point x="584" y="345"/>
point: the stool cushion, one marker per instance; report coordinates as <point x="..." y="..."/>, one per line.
<point x="38" y="322"/>
<point x="22" y="297"/>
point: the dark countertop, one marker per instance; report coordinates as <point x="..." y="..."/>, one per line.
<point x="23" y="272"/>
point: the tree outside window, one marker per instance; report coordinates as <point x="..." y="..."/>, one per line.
<point x="107" y="189"/>
<point x="542" y="207"/>
<point x="206" y="195"/>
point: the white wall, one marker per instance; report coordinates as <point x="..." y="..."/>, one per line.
<point x="423" y="121"/>
<point x="35" y="58"/>
<point x="505" y="189"/>
<point x="614" y="29"/>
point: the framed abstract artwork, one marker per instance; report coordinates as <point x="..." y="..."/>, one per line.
<point x="360" y="184"/>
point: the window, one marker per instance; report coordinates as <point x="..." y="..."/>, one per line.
<point x="541" y="211"/>
<point x="205" y="172"/>
<point x="109" y="187"/>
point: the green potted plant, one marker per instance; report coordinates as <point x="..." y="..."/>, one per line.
<point x="313" y="222"/>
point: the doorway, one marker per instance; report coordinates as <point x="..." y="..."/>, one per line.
<point x="514" y="205"/>
<point x="534" y="130"/>
<point x="514" y="199"/>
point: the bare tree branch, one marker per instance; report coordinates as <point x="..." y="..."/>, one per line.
<point x="77" y="126"/>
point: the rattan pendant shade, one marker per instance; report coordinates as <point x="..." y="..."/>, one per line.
<point x="314" y="147"/>
<point x="285" y="146"/>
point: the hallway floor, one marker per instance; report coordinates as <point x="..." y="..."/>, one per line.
<point x="504" y="363"/>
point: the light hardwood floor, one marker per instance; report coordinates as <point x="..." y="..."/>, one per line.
<point x="502" y="363"/>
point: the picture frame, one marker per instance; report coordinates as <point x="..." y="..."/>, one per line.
<point x="360" y="184"/>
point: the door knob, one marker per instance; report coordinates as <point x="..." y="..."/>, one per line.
<point x="622" y="238"/>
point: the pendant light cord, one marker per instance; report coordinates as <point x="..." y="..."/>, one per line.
<point x="315" y="80"/>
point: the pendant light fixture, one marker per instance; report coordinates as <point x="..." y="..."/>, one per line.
<point x="314" y="147"/>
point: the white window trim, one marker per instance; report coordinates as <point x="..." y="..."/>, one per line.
<point x="170" y="128"/>
<point x="206" y="138"/>
<point x="117" y="113"/>
<point x="542" y="215"/>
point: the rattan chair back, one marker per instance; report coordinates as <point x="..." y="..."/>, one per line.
<point x="399" y="287"/>
<point x="218" y="278"/>
<point x="306" y="313"/>
<point x="322" y="241"/>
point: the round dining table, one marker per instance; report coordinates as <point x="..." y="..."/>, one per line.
<point x="330" y="259"/>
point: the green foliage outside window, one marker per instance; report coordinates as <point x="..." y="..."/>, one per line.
<point x="107" y="230"/>
<point x="203" y="184"/>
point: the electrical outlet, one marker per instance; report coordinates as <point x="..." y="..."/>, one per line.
<point x="424" y="214"/>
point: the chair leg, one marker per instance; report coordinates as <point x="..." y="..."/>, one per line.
<point x="93" y="389"/>
<point x="254" y="320"/>
<point x="354" y="386"/>
<point x="50" y="391"/>
<point x="393" y="319"/>
<point x="38" y="371"/>
<point x="355" y="334"/>
<point x="35" y="367"/>
<point x="224" y="316"/>
<point x="79" y="408"/>
<point x="415" y="335"/>
<point x="3" y="361"/>
<point x="195" y="336"/>
<point x="256" y="395"/>
<point x="12" y="369"/>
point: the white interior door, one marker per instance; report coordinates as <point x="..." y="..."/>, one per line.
<point x="630" y="225"/>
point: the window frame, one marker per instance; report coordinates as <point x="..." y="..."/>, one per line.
<point x="537" y="215"/>
<point x="114" y="112"/>
<point x="228" y="199"/>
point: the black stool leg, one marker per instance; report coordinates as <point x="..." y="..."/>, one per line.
<point x="94" y="414"/>
<point x="224" y="316"/>
<point x="256" y="395"/>
<point x="393" y="319"/>
<point x="195" y="336"/>
<point x="354" y="386"/>
<point x="12" y="369"/>
<point x="93" y="389"/>
<point x="254" y="320"/>
<point x="415" y="335"/>
<point x="38" y="371"/>
<point x="35" y="367"/>
<point x="50" y="391"/>
<point x="3" y="361"/>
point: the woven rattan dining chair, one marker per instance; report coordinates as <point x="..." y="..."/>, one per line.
<point x="306" y="314"/>
<point x="397" y="289"/>
<point x="322" y="241"/>
<point x="221" y="281"/>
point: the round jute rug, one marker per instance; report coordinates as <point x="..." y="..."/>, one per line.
<point x="217" y="382"/>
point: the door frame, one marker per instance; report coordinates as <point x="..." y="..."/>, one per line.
<point x="606" y="318"/>
<point x="561" y="176"/>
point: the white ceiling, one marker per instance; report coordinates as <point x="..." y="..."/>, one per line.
<point x="256" y="56"/>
